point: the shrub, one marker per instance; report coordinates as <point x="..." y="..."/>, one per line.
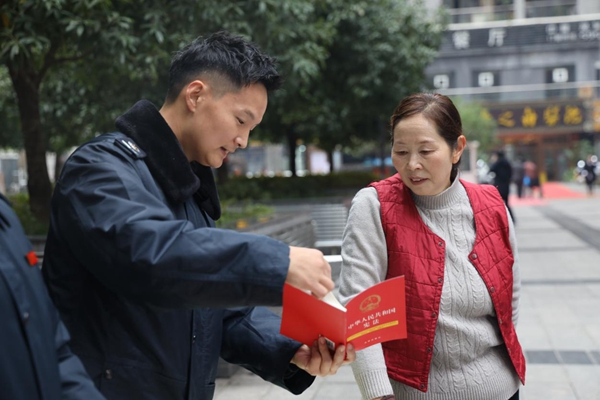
<point x="239" y="217"/>
<point x="20" y="204"/>
<point x="265" y="188"/>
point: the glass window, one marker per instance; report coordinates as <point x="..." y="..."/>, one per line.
<point x="549" y="8"/>
<point x="557" y="75"/>
<point x="479" y="10"/>
<point x="485" y="79"/>
<point x="441" y="81"/>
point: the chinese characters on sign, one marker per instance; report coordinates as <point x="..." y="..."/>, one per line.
<point x="538" y="116"/>
<point x="596" y="116"/>
<point x="529" y="119"/>
<point x="573" y="115"/>
<point x="498" y="37"/>
<point x="565" y="32"/>
<point x="461" y="39"/>
<point x="551" y="115"/>
<point x="506" y="119"/>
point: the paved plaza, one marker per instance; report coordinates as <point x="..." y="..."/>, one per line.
<point x="559" y="323"/>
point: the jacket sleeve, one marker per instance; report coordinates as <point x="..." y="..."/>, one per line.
<point x="252" y="340"/>
<point x="128" y="238"/>
<point x="365" y="262"/>
<point x="74" y="381"/>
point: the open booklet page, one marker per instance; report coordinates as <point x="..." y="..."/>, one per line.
<point x="333" y="301"/>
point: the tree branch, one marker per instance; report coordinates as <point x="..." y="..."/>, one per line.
<point x="49" y="60"/>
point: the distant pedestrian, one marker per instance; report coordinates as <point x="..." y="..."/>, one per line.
<point x="531" y="179"/>
<point x="589" y="173"/>
<point x="502" y="171"/>
<point x="36" y="361"/>
<point x="518" y="175"/>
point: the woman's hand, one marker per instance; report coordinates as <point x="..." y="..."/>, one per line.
<point x="318" y="360"/>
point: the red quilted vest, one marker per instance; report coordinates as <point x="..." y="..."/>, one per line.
<point x="417" y="253"/>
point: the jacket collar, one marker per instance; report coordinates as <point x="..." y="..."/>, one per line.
<point x="178" y="178"/>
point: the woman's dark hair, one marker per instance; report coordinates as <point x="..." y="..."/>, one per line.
<point x="439" y="110"/>
<point x="230" y="58"/>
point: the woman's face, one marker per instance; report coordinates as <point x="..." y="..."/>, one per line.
<point x="422" y="157"/>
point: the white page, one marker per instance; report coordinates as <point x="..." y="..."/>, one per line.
<point x="333" y="301"/>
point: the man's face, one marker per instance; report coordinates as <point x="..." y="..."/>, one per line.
<point x="222" y="124"/>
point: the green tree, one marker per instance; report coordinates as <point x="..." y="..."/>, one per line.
<point x="70" y="60"/>
<point x="77" y="105"/>
<point x="478" y="124"/>
<point x="74" y="65"/>
<point x="299" y="34"/>
<point x="378" y="57"/>
<point x="9" y="117"/>
<point x="37" y="36"/>
<point x="375" y="56"/>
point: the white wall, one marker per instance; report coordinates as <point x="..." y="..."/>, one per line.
<point x="588" y="6"/>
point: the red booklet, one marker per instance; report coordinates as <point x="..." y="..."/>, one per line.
<point x="376" y="315"/>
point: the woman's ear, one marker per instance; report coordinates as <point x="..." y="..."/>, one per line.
<point x="461" y="143"/>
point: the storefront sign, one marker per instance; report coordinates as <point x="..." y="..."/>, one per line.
<point x="498" y="37"/>
<point x="596" y="116"/>
<point x="534" y="117"/>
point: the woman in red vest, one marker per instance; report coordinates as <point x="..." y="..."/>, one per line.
<point x="455" y="245"/>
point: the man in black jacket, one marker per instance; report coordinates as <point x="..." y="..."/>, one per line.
<point x="35" y="359"/>
<point x="502" y="177"/>
<point x="142" y="278"/>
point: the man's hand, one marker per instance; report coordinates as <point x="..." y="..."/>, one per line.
<point x="317" y="360"/>
<point x="309" y="271"/>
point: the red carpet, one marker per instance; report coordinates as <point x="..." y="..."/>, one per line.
<point x="552" y="190"/>
<point x="556" y="190"/>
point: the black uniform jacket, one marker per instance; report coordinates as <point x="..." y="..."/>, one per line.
<point x="143" y="279"/>
<point x="35" y="359"/>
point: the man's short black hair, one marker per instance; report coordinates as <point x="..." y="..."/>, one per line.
<point x="222" y="55"/>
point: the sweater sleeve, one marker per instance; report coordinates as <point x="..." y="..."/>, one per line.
<point x="364" y="264"/>
<point x="516" y="272"/>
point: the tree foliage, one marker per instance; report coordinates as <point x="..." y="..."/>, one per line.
<point x="9" y="116"/>
<point x="379" y="57"/>
<point x="74" y="65"/>
<point x="39" y="36"/>
<point x="376" y="56"/>
<point x="299" y="34"/>
<point x="478" y="125"/>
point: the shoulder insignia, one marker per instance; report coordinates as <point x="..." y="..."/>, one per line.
<point x="130" y="147"/>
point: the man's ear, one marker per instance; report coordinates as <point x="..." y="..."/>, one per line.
<point x="461" y="143"/>
<point x="194" y="93"/>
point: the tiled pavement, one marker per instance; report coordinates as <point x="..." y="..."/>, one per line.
<point x="559" y="328"/>
<point x="559" y="323"/>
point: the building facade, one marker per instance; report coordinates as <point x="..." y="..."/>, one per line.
<point x="535" y="66"/>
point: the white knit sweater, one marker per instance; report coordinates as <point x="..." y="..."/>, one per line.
<point x="470" y="361"/>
